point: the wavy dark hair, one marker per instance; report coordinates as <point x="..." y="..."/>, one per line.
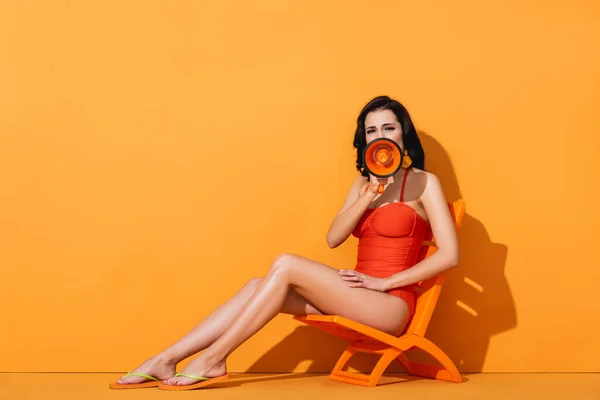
<point x="409" y="133"/>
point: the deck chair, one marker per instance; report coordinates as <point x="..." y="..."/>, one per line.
<point x="364" y="339"/>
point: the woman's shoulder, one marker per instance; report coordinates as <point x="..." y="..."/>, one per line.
<point x="425" y="176"/>
<point x="426" y="181"/>
<point x="419" y="171"/>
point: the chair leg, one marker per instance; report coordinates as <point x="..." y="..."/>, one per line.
<point x="406" y="364"/>
<point x="361" y="379"/>
<point x="348" y="353"/>
<point x="447" y="372"/>
<point x="382" y="365"/>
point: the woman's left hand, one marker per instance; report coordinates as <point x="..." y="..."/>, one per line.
<point x="360" y="280"/>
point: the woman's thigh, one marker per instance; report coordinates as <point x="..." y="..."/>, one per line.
<point x="294" y="303"/>
<point x="323" y="287"/>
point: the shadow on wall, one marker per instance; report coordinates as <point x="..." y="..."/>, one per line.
<point x="475" y="304"/>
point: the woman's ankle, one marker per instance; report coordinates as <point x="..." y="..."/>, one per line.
<point x="166" y="358"/>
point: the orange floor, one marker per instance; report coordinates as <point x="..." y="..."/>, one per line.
<point x="17" y="386"/>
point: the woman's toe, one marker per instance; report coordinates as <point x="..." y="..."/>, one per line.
<point x="124" y="380"/>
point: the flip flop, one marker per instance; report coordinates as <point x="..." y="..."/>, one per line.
<point x="153" y="382"/>
<point x="202" y="382"/>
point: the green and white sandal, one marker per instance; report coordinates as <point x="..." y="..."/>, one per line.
<point x="202" y="381"/>
<point x="152" y="382"/>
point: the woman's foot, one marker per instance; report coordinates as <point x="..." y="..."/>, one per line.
<point x="198" y="367"/>
<point x="155" y="366"/>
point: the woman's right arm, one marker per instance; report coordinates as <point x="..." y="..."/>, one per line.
<point x="360" y="195"/>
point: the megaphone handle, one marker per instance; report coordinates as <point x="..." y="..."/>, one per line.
<point x="380" y="188"/>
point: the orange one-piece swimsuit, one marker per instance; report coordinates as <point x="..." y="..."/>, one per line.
<point x="389" y="241"/>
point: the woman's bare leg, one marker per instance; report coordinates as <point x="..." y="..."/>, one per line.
<point x="318" y="284"/>
<point x="162" y="366"/>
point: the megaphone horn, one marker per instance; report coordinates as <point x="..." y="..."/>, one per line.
<point x="382" y="158"/>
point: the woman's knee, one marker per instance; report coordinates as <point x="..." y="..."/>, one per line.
<point x="284" y="263"/>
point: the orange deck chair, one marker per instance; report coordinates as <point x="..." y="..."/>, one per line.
<point x="365" y="339"/>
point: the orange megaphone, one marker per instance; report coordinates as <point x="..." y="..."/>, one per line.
<point x="382" y="158"/>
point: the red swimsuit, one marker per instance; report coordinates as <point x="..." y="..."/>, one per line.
<point x="390" y="239"/>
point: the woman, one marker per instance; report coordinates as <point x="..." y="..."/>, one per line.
<point x="379" y="292"/>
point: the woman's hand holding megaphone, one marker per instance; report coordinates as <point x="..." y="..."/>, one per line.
<point x="376" y="185"/>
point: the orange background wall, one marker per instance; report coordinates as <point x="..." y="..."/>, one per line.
<point x="120" y="229"/>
